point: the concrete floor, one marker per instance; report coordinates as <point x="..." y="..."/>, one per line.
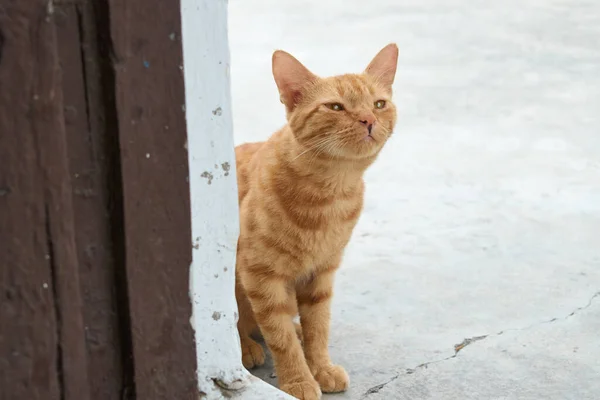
<point x="482" y="218"/>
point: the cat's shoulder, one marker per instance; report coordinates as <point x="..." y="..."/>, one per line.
<point x="247" y="149"/>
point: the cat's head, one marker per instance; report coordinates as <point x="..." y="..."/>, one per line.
<point x="346" y="116"/>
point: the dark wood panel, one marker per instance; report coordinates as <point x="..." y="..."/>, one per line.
<point x="95" y="243"/>
<point x="150" y="98"/>
<point x="90" y="124"/>
<point x="42" y="340"/>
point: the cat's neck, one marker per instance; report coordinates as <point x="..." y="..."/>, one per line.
<point x="330" y="173"/>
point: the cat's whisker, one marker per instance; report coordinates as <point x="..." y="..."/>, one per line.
<point x="319" y="144"/>
<point x="323" y="147"/>
<point x="316" y="154"/>
<point x="335" y="137"/>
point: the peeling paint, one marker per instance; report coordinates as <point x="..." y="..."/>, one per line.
<point x="235" y="385"/>
<point x="217" y="111"/>
<point x="208" y="176"/>
<point x="226" y="167"/>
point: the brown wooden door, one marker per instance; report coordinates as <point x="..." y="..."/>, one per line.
<point x="95" y="243"/>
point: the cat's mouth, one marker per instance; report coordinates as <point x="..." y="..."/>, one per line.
<point x="369" y="139"/>
<point x="367" y="144"/>
<point x="362" y="144"/>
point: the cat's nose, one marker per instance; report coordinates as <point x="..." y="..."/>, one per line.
<point x="368" y="121"/>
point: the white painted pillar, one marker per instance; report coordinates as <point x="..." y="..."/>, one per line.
<point x="214" y="207"/>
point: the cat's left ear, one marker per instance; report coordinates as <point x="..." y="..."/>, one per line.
<point x="383" y="66"/>
<point x="291" y="78"/>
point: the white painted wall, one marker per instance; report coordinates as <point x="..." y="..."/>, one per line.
<point x="214" y="208"/>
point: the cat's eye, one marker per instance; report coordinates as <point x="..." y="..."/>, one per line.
<point x="335" y="106"/>
<point x="380" y="104"/>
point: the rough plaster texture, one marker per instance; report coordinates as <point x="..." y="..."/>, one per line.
<point x="483" y="213"/>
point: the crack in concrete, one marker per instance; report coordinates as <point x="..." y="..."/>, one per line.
<point x="377" y="388"/>
<point x="549" y="321"/>
<point x="468" y="341"/>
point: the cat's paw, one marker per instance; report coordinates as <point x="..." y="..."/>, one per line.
<point x="332" y="378"/>
<point x="253" y="354"/>
<point x="305" y="390"/>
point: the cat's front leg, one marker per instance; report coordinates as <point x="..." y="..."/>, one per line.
<point x="273" y="306"/>
<point x="314" y="305"/>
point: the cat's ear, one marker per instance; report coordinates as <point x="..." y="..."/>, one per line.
<point x="383" y="66"/>
<point x="291" y="77"/>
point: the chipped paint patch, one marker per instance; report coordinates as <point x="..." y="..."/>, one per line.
<point x="226" y="167"/>
<point x="208" y="176"/>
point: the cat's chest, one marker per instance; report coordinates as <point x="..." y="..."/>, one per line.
<point x="321" y="244"/>
<point x="331" y="239"/>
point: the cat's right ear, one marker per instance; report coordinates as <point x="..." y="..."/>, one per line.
<point x="291" y="78"/>
<point x="383" y="66"/>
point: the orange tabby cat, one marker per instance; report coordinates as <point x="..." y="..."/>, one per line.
<point x="300" y="194"/>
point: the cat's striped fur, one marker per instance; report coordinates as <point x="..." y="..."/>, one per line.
<point x="301" y="194"/>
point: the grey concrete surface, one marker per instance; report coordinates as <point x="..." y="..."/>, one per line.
<point x="482" y="215"/>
